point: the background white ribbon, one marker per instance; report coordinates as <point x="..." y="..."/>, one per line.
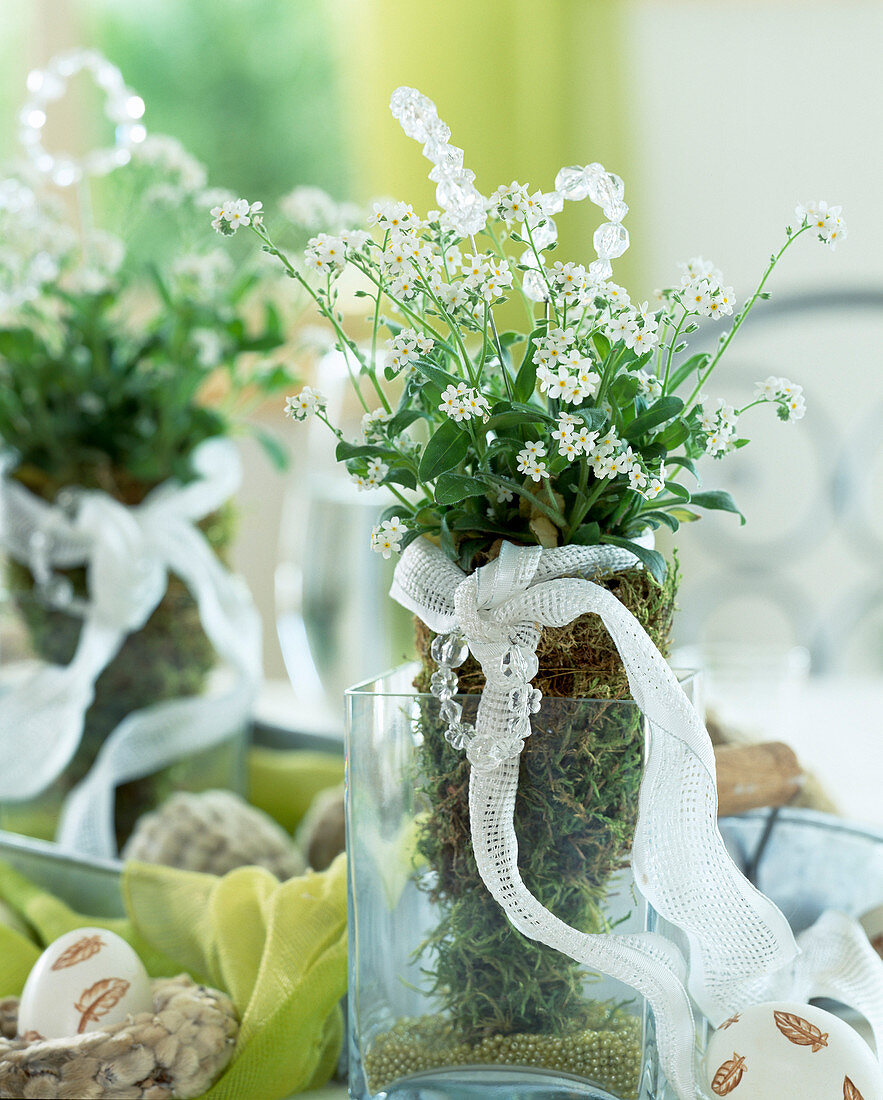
<point x="128" y="553"/>
<point x="741" y="948"/>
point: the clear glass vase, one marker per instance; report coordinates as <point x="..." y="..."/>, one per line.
<point x="446" y="1000"/>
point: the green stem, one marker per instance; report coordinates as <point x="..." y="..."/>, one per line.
<point x="553" y="513"/>
<point x="671" y="346"/>
<point x="737" y="324"/>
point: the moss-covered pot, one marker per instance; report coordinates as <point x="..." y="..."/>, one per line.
<point x="479" y="993"/>
<point x="169" y="658"/>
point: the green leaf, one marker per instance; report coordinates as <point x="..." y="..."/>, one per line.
<point x="507" y="339"/>
<point x="663" y="409"/>
<point x="717" y="500"/>
<point x="593" y="418"/>
<point x="652" y="559"/>
<point x="446" y="448"/>
<point x="403" y="419"/>
<point x="694" y="363"/>
<point x="602" y="345"/>
<point x="587" y="535"/>
<point x="275" y="450"/>
<point x="513" y="414"/>
<point x="452" y="488"/>
<point x="678" y="491"/>
<point x="435" y="374"/>
<point x="345" y="450"/>
<point x="668" y="518"/>
<point x="684" y="515"/>
<point x="447" y="539"/>
<point x="624" y="388"/>
<point x="400" y="475"/>
<point x="675" y="434"/>
<point x="526" y="379"/>
<point x="687" y="463"/>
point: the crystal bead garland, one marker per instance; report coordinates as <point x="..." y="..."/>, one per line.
<point x="449" y="651"/>
<point x="517" y="666"/>
<point x="465" y="208"/>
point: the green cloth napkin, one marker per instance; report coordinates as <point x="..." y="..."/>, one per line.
<point x="284" y="782"/>
<point x="278" y="949"/>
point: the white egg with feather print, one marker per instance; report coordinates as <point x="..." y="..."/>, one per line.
<point x="87" y="979"/>
<point x="786" y="1050"/>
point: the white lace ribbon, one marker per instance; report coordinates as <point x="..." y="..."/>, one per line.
<point x="128" y="553"/>
<point x="741" y="948"/>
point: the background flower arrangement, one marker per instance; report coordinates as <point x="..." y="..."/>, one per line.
<point x="126" y="342"/>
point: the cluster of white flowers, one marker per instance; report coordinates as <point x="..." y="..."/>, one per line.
<point x="530" y="461"/>
<point x="637" y="327"/>
<point x="228" y="217"/>
<point x="512" y="203"/>
<point x="405" y="348"/>
<point x="386" y="538"/>
<point x="325" y="254"/>
<point x="719" y="425"/>
<point x="206" y="273"/>
<point x="649" y="385"/>
<point x="827" y="221"/>
<point x="787" y="395"/>
<point x="572" y="440"/>
<point x="313" y="209"/>
<point x="373" y="424"/>
<point x="181" y="176"/>
<point x="572" y="285"/>
<point x="376" y="471"/>
<point x="460" y="402"/>
<point x="702" y="289"/>
<point x="305" y="404"/>
<point x="563" y="371"/>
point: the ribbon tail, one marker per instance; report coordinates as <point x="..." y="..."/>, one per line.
<point x="838" y="961"/>
<point x="41" y="719"/>
<point x="144" y="743"/>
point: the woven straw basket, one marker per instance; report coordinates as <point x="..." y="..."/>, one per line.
<point x="177" y="1051"/>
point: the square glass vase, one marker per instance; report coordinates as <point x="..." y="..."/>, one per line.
<point x="446" y="1000"/>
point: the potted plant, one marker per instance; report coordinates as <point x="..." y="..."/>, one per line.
<point x="576" y="434"/>
<point x="130" y="353"/>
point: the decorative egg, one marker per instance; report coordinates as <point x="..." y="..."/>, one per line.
<point x="86" y="979"/>
<point x="790" y="1051"/>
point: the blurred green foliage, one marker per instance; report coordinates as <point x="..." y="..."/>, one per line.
<point x="247" y="85"/>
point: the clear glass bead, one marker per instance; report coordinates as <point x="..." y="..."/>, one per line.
<point x="599" y="270"/>
<point x="615" y="211"/>
<point x="460" y="735"/>
<point x="610" y="240"/>
<point x="534" y="286"/>
<point x="553" y="202"/>
<point x="535" y="701"/>
<point x="512" y="663"/>
<point x="446" y="158"/>
<point x="544" y="234"/>
<point x="451" y="712"/>
<point x="442" y="681"/>
<point x="604" y="187"/>
<point x="449" y="649"/>
<point x="572" y="183"/>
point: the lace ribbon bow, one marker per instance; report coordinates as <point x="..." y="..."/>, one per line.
<point x="128" y="553"/>
<point x="741" y="948"/>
